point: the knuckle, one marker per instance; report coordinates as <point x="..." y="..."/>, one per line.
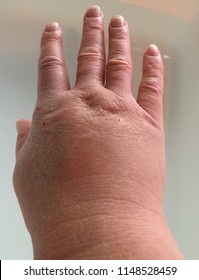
<point x="119" y="62"/>
<point x="90" y="52"/>
<point x="51" y="37"/>
<point x="50" y="61"/>
<point x="151" y="85"/>
<point x="93" y="24"/>
<point x="120" y="35"/>
<point x="153" y="68"/>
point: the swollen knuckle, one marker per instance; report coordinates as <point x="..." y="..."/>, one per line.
<point x="49" y="61"/>
<point x="150" y="85"/>
<point x="154" y="69"/>
<point x="89" y="52"/>
<point x="51" y="37"/>
<point x="119" y="62"/>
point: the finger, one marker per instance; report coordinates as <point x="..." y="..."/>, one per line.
<point x="151" y="88"/>
<point x="23" y="128"/>
<point x="91" y="57"/>
<point x="53" y="77"/>
<point x="119" y="64"/>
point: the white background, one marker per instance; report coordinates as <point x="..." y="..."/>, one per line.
<point x="175" y="31"/>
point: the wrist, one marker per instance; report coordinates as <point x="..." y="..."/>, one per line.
<point x="108" y="237"/>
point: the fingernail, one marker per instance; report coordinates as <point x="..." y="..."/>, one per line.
<point x="52" y="26"/>
<point x="94" y="11"/>
<point x="153" y="50"/>
<point x="117" y="21"/>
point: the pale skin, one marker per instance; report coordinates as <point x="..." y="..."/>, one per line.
<point x="90" y="167"/>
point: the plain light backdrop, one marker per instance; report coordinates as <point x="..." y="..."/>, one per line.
<point x="174" y="28"/>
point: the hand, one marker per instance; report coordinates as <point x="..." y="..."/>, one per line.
<point x="90" y="168"/>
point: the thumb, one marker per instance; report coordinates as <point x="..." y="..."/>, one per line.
<point x="23" y="128"/>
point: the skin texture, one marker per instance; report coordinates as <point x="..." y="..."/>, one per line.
<point x="90" y="167"/>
